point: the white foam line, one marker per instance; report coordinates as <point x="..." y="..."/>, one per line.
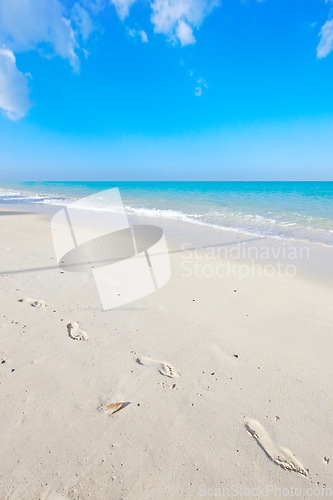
<point x="168" y="214"/>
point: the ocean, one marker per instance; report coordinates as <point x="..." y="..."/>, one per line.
<point x="286" y="210"/>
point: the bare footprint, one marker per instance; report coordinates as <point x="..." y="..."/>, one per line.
<point x="164" y="368"/>
<point x="280" y="456"/>
<point x="34" y="302"/>
<point x="75" y="333"/>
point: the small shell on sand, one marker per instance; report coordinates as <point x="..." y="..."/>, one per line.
<point x="114" y="407"/>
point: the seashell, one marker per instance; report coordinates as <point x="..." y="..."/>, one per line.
<point x="114" y="407"/>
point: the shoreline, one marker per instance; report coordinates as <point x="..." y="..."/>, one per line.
<point x="311" y="260"/>
<point x="296" y="214"/>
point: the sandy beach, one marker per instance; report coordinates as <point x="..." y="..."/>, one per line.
<point x="227" y="368"/>
<point x="166" y="249"/>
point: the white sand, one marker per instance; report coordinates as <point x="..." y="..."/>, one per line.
<point x="229" y="380"/>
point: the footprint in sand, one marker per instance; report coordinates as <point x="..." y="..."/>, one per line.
<point x="34" y="302"/>
<point x="280" y="456"/>
<point x="75" y="332"/>
<point x="163" y="367"/>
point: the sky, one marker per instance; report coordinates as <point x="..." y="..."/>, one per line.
<point x="166" y="90"/>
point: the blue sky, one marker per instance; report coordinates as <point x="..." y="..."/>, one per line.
<point x="166" y="89"/>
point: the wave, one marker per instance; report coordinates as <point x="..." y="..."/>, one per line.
<point x="10" y="195"/>
<point x="304" y="229"/>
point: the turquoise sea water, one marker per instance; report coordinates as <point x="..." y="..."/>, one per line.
<point x="288" y="210"/>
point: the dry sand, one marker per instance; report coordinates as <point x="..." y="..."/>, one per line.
<point x="229" y="378"/>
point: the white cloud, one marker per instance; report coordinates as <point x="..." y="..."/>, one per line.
<point x="29" y="24"/>
<point x="60" y="28"/>
<point x="123" y="7"/>
<point x="177" y="18"/>
<point x="95" y="6"/>
<point x="174" y="18"/>
<point x="144" y="36"/>
<point x="326" y="40"/>
<point x="201" y="84"/>
<point x="184" y="33"/>
<point x="44" y="25"/>
<point x="14" y="92"/>
<point x="83" y="20"/>
<point x="138" y="34"/>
